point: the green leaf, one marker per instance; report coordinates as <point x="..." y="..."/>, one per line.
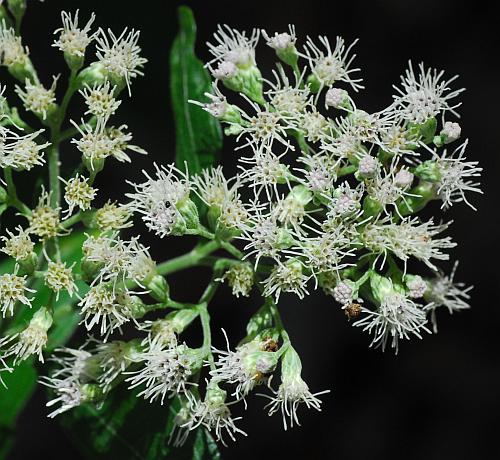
<point x="126" y="426"/>
<point x="198" y="134"/>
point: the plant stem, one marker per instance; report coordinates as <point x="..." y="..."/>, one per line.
<point x="188" y="260"/>
<point x="12" y="192"/>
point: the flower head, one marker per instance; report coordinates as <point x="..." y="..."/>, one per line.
<point x="120" y="55"/>
<point x="37" y="99"/>
<point x="73" y="40"/>
<point x="293" y="391"/>
<point x="425" y="95"/>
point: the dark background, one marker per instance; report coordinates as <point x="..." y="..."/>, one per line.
<point x="438" y="399"/>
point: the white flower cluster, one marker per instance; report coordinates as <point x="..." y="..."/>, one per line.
<point x="326" y="196"/>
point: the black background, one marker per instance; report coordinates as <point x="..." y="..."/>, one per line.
<point x="438" y="399"/>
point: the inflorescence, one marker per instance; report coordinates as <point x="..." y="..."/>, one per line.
<point x="326" y="198"/>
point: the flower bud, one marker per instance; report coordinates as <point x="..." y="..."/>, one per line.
<point x="423" y="131"/>
<point x="158" y="288"/>
<point x="337" y="98"/>
<point x="246" y="80"/>
<point x="450" y="133"/>
<point x="428" y="171"/>
<point x="92" y="75"/>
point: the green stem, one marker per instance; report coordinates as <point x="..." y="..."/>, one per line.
<point x="13" y="200"/>
<point x="188" y="260"/>
<point x="234" y="251"/>
<point x="346" y="170"/>
<point x="72" y="220"/>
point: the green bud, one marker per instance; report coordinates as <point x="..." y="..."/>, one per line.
<point x="371" y="206"/>
<point x="247" y="81"/>
<point x="74" y="61"/>
<point x="22" y="71"/>
<point x="158" y="288"/>
<point x="314" y="83"/>
<point x="260" y="320"/>
<point x="29" y="264"/>
<point x="381" y="287"/>
<point x="420" y="196"/>
<point x="17" y="8"/>
<point x="94" y="165"/>
<point x="424" y="131"/>
<point x="215" y="395"/>
<point x="181" y="319"/>
<point x="91" y="75"/>
<point x="92" y="393"/>
<point x="291" y="365"/>
<point x="188" y="219"/>
<point x="42" y="319"/>
<point x="288" y="55"/>
<point x="428" y="171"/>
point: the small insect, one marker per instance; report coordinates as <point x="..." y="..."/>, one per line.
<point x="270" y="345"/>
<point x="352" y="310"/>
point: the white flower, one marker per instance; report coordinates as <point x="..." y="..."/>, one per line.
<point x="59" y="277"/>
<point x="346" y="201"/>
<point x="455" y="174"/>
<point x="156" y="199"/>
<point x="217" y="105"/>
<point x="120" y="55"/>
<point x="343" y="293"/>
<point x="165" y="371"/>
<point x="265" y="238"/>
<point x="409" y="238"/>
<point x="78" y="193"/>
<point x="397" y="318"/>
<point x="451" y="132"/>
<point x="314" y="126"/>
<point x="266" y="171"/>
<point x="113" y="359"/>
<point x="100" y="100"/>
<point x="368" y="166"/>
<point x="286" y="277"/>
<point x="19" y="246"/>
<point x="119" y="260"/>
<point x="288" y="100"/>
<point x="44" y="220"/>
<point x="71" y="381"/>
<point x="38" y="99"/>
<point x="416" y="286"/>
<point x="320" y="172"/>
<point x="113" y="216"/>
<point x="21" y="153"/>
<point x="33" y="339"/>
<point x="224" y="71"/>
<point x="240" y="278"/>
<point x="293" y="391"/>
<point x="250" y="365"/>
<point x="13" y="289"/>
<point x="336" y="98"/>
<point x="73" y="40"/>
<point x="325" y="253"/>
<point x="264" y="128"/>
<point x="234" y="46"/>
<point x="99" y="143"/>
<point x="443" y="291"/>
<point x="281" y="41"/>
<point x="332" y="65"/>
<point x="107" y="307"/>
<point x="11" y="49"/>
<point x="424" y="96"/>
<point x="212" y="413"/>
